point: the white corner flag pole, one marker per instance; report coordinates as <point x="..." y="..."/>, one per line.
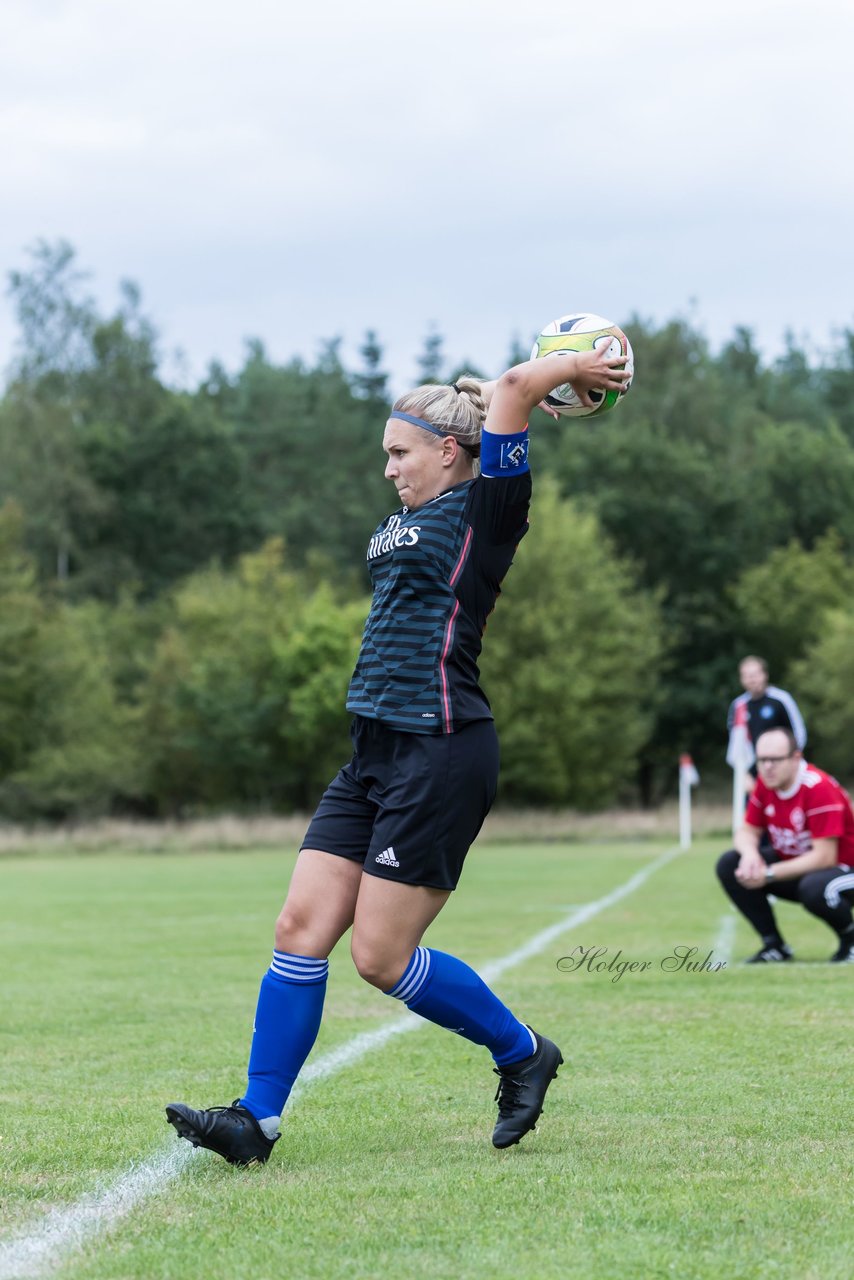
<point x="740" y="757"/>
<point x="688" y="778"/>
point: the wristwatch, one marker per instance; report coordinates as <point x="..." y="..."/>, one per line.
<point x="769" y="873"/>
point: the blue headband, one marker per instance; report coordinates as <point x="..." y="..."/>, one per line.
<point x="419" y="422"/>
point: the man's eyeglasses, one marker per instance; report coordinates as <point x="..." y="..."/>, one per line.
<point x="774" y="759"/>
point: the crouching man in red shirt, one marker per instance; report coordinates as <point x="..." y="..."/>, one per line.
<point x="810" y="824"/>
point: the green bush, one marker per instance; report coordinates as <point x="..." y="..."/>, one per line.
<point x="571" y="663"/>
<point x="783" y="600"/>
<point x="83" y="752"/>
<point x="244" y="701"/>
<point x="21" y="615"/>
<point x="824" y="679"/>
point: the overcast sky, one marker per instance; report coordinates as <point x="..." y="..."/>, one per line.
<point x="293" y="171"/>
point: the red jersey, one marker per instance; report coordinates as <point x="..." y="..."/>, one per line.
<point x="814" y="807"/>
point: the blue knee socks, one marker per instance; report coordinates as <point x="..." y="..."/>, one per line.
<point x="446" y="991"/>
<point x="290" y="1004"/>
<point x="436" y="986"/>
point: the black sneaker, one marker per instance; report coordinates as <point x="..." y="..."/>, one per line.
<point x="845" y="954"/>
<point x="232" y="1132"/>
<point x="775" y="954"/>
<point x="521" y="1089"/>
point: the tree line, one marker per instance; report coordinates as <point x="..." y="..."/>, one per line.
<point x="182" y="580"/>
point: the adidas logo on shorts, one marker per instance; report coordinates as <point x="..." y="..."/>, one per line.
<point x="387" y="858"/>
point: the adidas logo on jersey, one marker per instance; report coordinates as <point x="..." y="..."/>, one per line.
<point x="387" y="858"/>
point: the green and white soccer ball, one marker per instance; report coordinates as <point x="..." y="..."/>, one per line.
<point x="582" y="332"/>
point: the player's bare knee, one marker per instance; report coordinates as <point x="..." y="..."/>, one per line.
<point x="293" y="930"/>
<point x="376" y="965"/>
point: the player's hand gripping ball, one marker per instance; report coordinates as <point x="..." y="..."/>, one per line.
<point x="581" y="332"/>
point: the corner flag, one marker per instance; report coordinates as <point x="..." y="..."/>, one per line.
<point x="740" y="756"/>
<point x="740" y="753"/>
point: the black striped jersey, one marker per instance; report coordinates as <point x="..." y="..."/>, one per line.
<point x="774" y="709"/>
<point x="436" y="575"/>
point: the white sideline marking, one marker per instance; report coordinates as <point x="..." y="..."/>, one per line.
<point x="26" y="1255"/>
<point x="725" y="938"/>
<point x="494" y="968"/>
<point x="66" y="1229"/>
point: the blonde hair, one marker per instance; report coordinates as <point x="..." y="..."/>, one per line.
<point x="458" y="410"/>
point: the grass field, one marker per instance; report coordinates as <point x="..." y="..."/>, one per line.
<point x="701" y="1126"/>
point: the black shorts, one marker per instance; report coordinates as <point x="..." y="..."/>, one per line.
<point x="409" y="805"/>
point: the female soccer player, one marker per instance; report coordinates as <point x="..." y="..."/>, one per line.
<point x="389" y="838"/>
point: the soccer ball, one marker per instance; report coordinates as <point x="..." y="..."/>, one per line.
<point x="582" y="332"/>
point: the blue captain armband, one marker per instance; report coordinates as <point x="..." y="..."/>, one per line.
<point x="504" y="455"/>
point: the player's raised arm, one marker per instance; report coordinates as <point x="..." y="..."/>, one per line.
<point x="521" y="388"/>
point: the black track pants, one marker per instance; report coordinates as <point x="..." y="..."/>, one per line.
<point x="827" y="894"/>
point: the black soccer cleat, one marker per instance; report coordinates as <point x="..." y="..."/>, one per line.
<point x="845" y="954"/>
<point x="772" y="954"/>
<point x="521" y="1091"/>
<point x="232" y="1132"/>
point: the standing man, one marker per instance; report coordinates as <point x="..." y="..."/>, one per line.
<point x="810" y="857"/>
<point x="767" y="707"/>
